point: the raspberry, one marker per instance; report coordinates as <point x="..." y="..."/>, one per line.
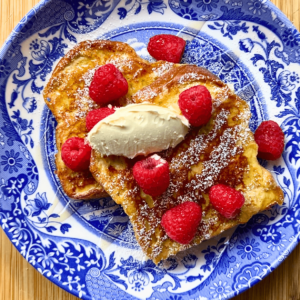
<point x="96" y="115"/>
<point x="195" y="104"/>
<point x="181" y="222"/>
<point x="76" y="154"/>
<point x="166" y="47"/>
<point x="152" y="175"/>
<point x="270" y="140"/>
<point x="226" y="200"/>
<point x="108" y="84"/>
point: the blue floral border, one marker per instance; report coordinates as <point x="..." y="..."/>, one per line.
<point x="19" y="224"/>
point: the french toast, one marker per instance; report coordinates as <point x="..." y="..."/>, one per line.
<point x="222" y="151"/>
<point x="67" y="96"/>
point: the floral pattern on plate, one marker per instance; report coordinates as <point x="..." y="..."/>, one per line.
<point x="89" y="248"/>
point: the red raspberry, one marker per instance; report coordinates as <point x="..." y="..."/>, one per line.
<point x="108" y="84"/>
<point x="76" y="154"/>
<point x="181" y="222"/>
<point x="96" y="115"/>
<point x="226" y="200"/>
<point x="152" y="175"/>
<point x="166" y="47"/>
<point x="195" y="104"/>
<point x="270" y="140"/>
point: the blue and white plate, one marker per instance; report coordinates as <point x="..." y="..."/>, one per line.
<point x="88" y="248"/>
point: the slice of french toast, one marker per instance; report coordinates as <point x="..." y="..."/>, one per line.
<point x="222" y="151"/>
<point x="67" y="96"/>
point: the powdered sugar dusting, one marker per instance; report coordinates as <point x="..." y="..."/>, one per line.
<point x="188" y="77"/>
<point x="84" y="103"/>
<point x="145" y="93"/>
<point x="88" y="76"/>
<point x="159" y="159"/>
<point x="156" y="157"/>
<point x="162" y="69"/>
<point x="191" y="156"/>
<point x="230" y="141"/>
<point x="220" y="158"/>
<point x="121" y="62"/>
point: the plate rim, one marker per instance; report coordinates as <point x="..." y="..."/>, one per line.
<point x="292" y="244"/>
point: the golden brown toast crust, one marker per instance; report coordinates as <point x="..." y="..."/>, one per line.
<point x="66" y="95"/>
<point x="222" y="151"/>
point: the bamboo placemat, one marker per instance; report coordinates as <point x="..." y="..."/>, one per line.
<point x="20" y="281"/>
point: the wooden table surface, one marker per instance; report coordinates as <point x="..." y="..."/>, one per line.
<point x="20" y="281"/>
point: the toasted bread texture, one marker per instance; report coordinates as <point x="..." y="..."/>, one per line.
<point x="67" y="96"/>
<point x="222" y="151"/>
